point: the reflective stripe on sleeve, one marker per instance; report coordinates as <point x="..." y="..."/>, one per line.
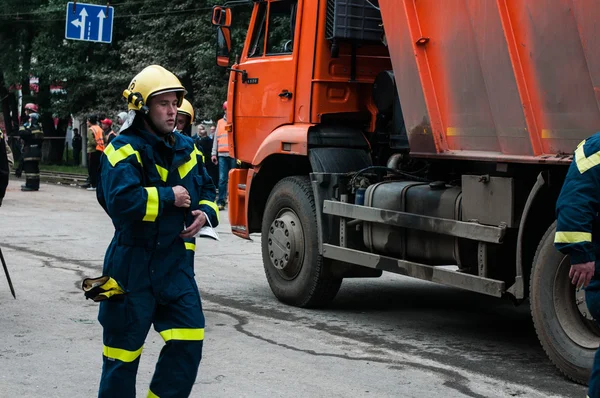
<point x="151" y="204"/>
<point x="183" y="334"/>
<point x="199" y="153"/>
<point x="116" y="155"/>
<point x="122" y="355"/>
<point x="190" y="246"/>
<point x="212" y="205"/>
<point x="585" y="163"/>
<point x="572" y="237"/>
<point x="164" y="173"/>
<point x="185" y="168"/>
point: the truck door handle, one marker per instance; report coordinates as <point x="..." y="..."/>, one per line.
<point x="286" y="94"/>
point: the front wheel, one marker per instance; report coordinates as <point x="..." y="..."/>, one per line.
<point x="563" y="323"/>
<point x="296" y="273"/>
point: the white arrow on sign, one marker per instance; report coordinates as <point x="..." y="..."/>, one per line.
<point x="81" y="23"/>
<point x="101" y="17"/>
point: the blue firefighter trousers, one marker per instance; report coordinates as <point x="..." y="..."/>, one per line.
<point x="592" y="298"/>
<point x="226" y="163"/>
<point x="179" y="319"/>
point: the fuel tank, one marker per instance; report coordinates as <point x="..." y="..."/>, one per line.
<point x="435" y="199"/>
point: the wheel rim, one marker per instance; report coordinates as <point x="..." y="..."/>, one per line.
<point x="286" y="244"/>
<point x="571" y="309"/>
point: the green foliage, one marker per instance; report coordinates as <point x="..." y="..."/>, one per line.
<point x="64" y="169"/>
<point x="179" y="37"/>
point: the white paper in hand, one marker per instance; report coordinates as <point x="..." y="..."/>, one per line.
<point x="207" y="231"/>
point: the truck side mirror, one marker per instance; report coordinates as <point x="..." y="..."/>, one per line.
<point x="221" y="16"/>
<point x="223" y="45"/>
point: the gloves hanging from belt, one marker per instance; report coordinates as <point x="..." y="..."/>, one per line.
<point x="102" y="288"/>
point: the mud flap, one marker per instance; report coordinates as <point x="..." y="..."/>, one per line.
<point x="238" y="202"/>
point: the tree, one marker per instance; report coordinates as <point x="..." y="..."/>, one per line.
<point x="89" y="78"/>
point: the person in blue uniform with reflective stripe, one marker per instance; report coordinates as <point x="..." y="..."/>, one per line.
<point x="158" y="195"/>
<point x="578" y="231"/>
<point x="183" y="125"/>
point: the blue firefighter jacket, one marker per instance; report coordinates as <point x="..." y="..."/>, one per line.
<point x="578" y="223"/>
<point x="138" y="171"/>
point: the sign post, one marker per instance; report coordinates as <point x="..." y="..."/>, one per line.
<point x="89" y="22"/>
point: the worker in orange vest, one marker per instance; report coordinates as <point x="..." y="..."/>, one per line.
<point x="220" y="156"/>
<point x="95" y="147"/>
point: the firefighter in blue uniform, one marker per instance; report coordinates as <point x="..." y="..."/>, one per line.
<point x="578" y="231"/>
<point x="185" y="118"/>
<point x="156" y="191"/>
<point x="33" y="137"/>
<point x="183" y="125"/>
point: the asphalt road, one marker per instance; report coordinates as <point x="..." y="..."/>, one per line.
<point x="386" y="337"/>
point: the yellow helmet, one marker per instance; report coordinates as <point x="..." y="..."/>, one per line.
<point x="153" y="80"/>
<point x="186" y="108"/>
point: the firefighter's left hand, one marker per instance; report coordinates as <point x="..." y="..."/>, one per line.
<point x="581" y="274"/>
<point x="199" y="221"/>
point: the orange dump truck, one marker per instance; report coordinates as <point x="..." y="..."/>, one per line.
<point x="422" y="137"/>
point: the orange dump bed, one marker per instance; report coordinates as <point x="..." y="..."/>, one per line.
<point x="510" y="80"/>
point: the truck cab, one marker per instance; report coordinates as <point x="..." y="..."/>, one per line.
<point x="295" y="77"/>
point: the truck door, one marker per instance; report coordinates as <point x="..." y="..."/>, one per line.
<point x="265" y="100"/>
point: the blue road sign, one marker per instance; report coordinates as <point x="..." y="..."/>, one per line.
<point x="89" y="22"/>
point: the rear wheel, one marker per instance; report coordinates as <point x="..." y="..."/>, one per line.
<point x="567" y="331"/>
<point x="296" y="273"/>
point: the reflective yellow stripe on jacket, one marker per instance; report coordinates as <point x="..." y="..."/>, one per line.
<point x="572" y="237"/>
<point x="164" y="173"/>
<point x="584" y="163"/>
<point x="116" y="155"/>
<point x="185" y="168"/>
<point x="212" y="205"/>
<point x="199" y="153"/>
<point x="151" y="204"/>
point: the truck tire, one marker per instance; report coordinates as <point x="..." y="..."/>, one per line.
<point x="296" y="273"/>
<point x="562" y="322"/>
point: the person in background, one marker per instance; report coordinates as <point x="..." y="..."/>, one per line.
<point x="121" y="117"/>
<point x="220" y="156"/>
<point x="205" y="143"/>
<point x="213" y="131"/>
<point x="76" y="144"/>
<point x="33" y="137"/>
<point x="4" y="166"/>
<point x="185" y="118"/>
<point x="95" y="147"/>
<point x="9" y="152"/>
<point x="109" y="133"/>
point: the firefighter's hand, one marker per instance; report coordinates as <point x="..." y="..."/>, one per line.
<point x="581" y="274"/>
<point x="214" y="160"/>
<point x="182" y="196"/>
<point x="199" y="221"/>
